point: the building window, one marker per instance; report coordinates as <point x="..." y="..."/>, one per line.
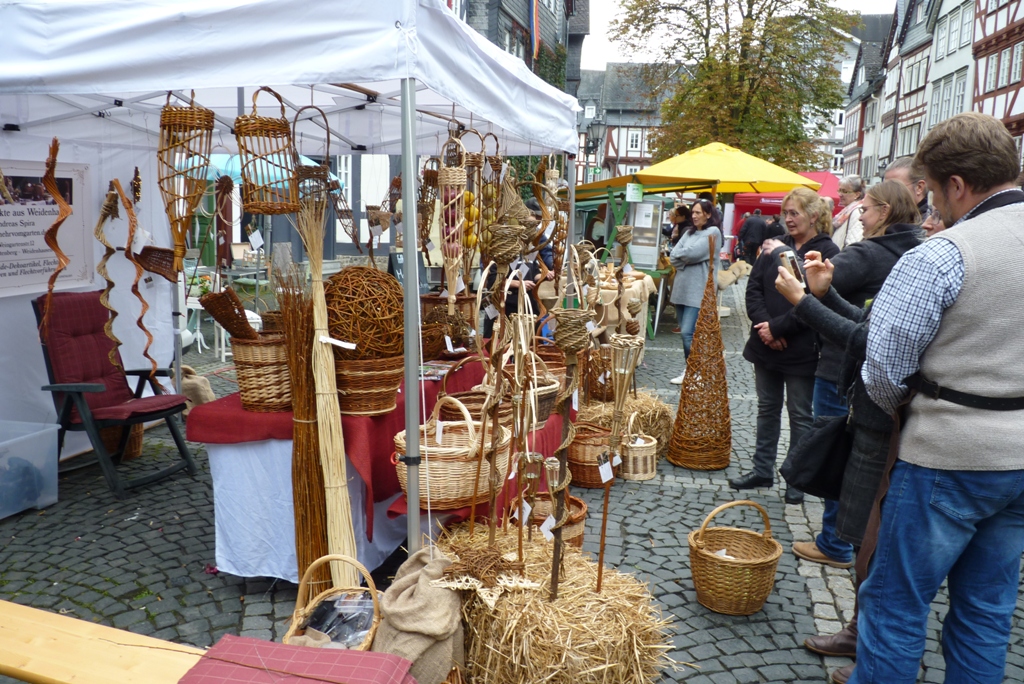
<point x="992" y="73"/>
<point x="633" y="140"/>
<point x="867" y="167"/>
<point x="1004" y="68"/>
<point x="947" y="98"/>
<point x="920" y="12"/>
<point x="456" y="7"/>
<point x="908" y="139"/>
<point x="933" y="111"/>
<point x="589" y="112"/>
<point x="940" y="39"/>
<point x="954" y="28"/>
<point x="839" y="118"/>
<point x="1018" y="57"/>
<point x="631" y="169"/>
<point x="966" y="23"/>
<point x="960" y="91"/>
<point x="869" y="114"/>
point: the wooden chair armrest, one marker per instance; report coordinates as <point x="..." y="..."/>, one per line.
<point x="76" y="387"/>
<point x="159" y="372"/>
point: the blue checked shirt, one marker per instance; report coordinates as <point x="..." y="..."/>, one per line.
<point x="905" y="315"/>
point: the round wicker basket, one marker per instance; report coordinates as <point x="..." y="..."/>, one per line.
<point x="261" y="366"/>
<point x="591" y="441"/>
<point x="368" y="388"/>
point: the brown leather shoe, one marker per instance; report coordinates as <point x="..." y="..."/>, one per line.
<point x="843" y="643"/>
<point x="842" y="675"/>
<point x="810" y="551"/>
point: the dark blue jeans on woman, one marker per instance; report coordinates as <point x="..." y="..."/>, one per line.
<point x="828" y="402"/>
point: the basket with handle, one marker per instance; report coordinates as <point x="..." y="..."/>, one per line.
<point x="448" y="474"/>
<point x="265" y="146"/>
<point x="741" y="583"/>
<point x="639" y="454"/>
<point x="590" y="441"/>
<point x="306" y="602"/>
<point x="473" y="399"/>
<point x="261" y="365"/>
<point x="572" y="531"/>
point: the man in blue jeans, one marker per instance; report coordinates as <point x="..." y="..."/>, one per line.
<point x="947" y="323"/>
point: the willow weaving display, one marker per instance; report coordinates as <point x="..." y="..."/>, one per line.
<point x="50" y="236"/>
<point x="133" y="224"/>
<point x="183" y="159"/>
<point x="108" y="210"/>
<point x="307" y="475"/>
<point x="364" y="307"/>
<point x="473" y="202"/>
<point x="267" y="153"/>
<point x="702" y="436"/>
<point x="425" y="202"/>
<point x="309" y="223"/>
<point x="452" y="183"/>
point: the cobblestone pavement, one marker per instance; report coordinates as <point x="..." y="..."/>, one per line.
<point x="146" y="564"/>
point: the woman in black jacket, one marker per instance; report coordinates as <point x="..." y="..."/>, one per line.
<point x="783" y="350"/>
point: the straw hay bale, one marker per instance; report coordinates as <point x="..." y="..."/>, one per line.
<point x="654" y="417"/>
<point x="615" y="637"/>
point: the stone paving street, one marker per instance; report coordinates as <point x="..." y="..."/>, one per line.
<point x="146" y="564"/>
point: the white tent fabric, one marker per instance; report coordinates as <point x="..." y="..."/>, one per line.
<point x="95" y="72"/>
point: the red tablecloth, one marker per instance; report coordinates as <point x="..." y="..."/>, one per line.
<point x="369" y="440"/>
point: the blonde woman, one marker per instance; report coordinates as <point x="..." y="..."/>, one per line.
<point x="782" y="349"/>
<point x="846" y="226"/>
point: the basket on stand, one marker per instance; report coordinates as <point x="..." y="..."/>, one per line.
<point x="448" y="474"/>
<point x="370" y="387"/>
<point x="590" y="442"/>
<point x="261" y="366"/>
<point x="269" y="183"/>
<point x="599" y="374"/>
<point x="740" y="582"/>
<point x="639" y="454"/>
<point x="306" y="603"/>
<point x="572" y="531"/>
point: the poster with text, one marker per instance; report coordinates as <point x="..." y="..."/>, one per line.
<point x="26" y="261"/>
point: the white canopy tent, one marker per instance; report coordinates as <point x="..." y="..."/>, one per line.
<point x="391" y="75"/>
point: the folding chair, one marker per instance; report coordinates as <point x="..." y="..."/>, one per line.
<point x="90" y="393"/>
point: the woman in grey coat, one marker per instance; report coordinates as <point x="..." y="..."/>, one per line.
<point x="691" y="260"/>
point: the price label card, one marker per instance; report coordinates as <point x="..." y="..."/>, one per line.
<point x="627" y="267"/>
<point x="524" y="269"/>
<point x="638" y="441"/>
<point x="527" y="509"/>
<point x="616" y="461"/>
<point x="399" y="228"/>
<point x="491" y="312"/>
<point x="376" y="231"/>
<point x="603" y="378"/>
<point x="586" y="289"/>
<point x="255" y="239"/>
<point x="606" y="471"/>
<point x="439" y="432"/>
<point x="591" y="326"/>
<point x="448" y="343"/>
<point x="546" y="526"/>
<point x="460" y="286"/>
<point x="443" y="294"/>
<point x="575" y="400"/>
<point x="552" y="325"/>
<point x="430" y="246"/>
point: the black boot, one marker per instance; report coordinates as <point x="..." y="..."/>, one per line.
<point x="751" y="481"/>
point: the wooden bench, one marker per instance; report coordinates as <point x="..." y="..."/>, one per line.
<point x="48" y="648"/>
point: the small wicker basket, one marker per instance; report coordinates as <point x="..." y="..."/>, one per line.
<point x="273" y="321"/>
<point x="369" y="388"/>
<point x="262" y="369"/>
<point x="639" y="461"/>
<point x="572" y="531"/>
<point x="111" y="437"/>
<point x="599" y="374"/>
<point x="448" y="474"/>
<point x="305" y="603"/>
<point x="741" y="584"/>
<point x="591" y="441"/>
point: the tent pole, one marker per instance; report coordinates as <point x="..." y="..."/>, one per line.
<point x="570" y="175"/>
<point x="412" y="313"/>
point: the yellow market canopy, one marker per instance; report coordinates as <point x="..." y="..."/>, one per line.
<point x="714" y="166"/>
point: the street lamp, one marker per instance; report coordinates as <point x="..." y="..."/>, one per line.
<point x="596" y="132"/>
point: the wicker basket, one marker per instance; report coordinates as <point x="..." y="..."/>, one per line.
<point x="269" y="183"/>
<point x="572" y="531"/>
<point x="473" y="399"/>
<point x="448" y="473"/>
<point x="591" y="441"/>
<point x="545" y="394"/>
<point x="553" y="357"/>
<point x="111" y="437"/>
<point x="306" y="603"/>
<point x="639" y="461"/>
<point x="226" y="308"/>
<point x="262" y="369"/>
<point x="464" y="303"/>
<point x="273" y="321"/>
<point x="739" y="585"/>
<point x="159" y="260"/>
<point x="369" y="388"/>
<point x="599" y="366"/>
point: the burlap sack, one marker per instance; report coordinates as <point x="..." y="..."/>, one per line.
<point x="196" y="389"/>
<point x="422" y="623"/>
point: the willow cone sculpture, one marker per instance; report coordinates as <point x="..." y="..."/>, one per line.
<point x="702" y="435"/>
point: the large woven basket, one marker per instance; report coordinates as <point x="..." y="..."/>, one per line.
<point x="369" y="388"/>
<point x="261" y="366"/>
<point x="473" y="399"/>
<point x="111" y="437"/>
<point x="572" y="531"/>
<point x="639" y="454"/>
<point x="306" y="602"/>
<point x="591" y="441"/>
<point x="741" y="584"/>
<point x="449" y="469"/>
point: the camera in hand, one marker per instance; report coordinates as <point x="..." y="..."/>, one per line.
<point x="791" y="262"/>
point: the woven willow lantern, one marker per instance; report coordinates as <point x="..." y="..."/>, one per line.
<point x="266" y="147"/>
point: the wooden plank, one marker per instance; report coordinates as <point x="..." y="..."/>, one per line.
<point x="48" y="648"/>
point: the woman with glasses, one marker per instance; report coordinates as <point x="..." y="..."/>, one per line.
<point x="783" y="350"/>
<point x="889" y="216"/>
<point x="846" y="226"/>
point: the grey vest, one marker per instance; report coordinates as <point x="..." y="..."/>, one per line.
<point x="978" y="349"/>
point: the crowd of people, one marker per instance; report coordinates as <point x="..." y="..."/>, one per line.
<point x="887" y="325"/>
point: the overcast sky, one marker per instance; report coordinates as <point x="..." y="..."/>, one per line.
<point x="598" y="50"/>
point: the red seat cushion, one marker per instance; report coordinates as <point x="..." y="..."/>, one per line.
<point x="138" y="407"/>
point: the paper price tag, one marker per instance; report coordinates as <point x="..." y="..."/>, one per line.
<point x="430" y="246"/>
<point x="255" y="239"/>
<point x="443" y="294"/>
<point x="460" y="286"/>
<point x="616" y="461"/>
<point x="606" y="471"/>
<point x="576" y="400"/>
<point x="515" y="469"/>
<point x="491" y="312"/>
<point x="552" y="325"/>
<point x="527" y="509"/>
<point x="603" y="378"/>
<point x="586" y="289"/>
<point x="376" y="231"/>
<point x="638" y="441"/>
<point x="448" y="343"/>
<point x="546" y="526"/>
<point x="149" y="281"/>
<point x="399" y="228"/>
<point x="524" y="269"/>
<point x="439" y="432"/>
<point x="337" y="343"/>
<point x="591" y="326"/>
<point x="627" y="268"/>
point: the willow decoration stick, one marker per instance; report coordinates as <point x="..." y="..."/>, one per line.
<point x="452" y="182"/>
<point x="133" y="224"/>
<point x="309" y="223"/>
<point x="108" y="210"/>
<point x="425" y="205"/>
<point x="307" y="475"/>
<point x="50" y="236"/>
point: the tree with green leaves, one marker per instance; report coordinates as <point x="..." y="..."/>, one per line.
<point x="759" y="75"/>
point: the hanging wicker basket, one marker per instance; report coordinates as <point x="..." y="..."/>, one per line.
<point x="448" y="473"/>
<point x="369" y="388"/>
<point x="306" y="602"/>
<point x="572" y="531"/>
<point x="639" y="454"/>
<point x="261" y="366"/>
<point x="741" y="584"/>
<point x="265" y="146"/>
<point x="158" y="260"/>
<point x="590" y="442"/>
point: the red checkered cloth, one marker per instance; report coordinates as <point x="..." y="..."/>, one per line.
<point x="243" y="660"/>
